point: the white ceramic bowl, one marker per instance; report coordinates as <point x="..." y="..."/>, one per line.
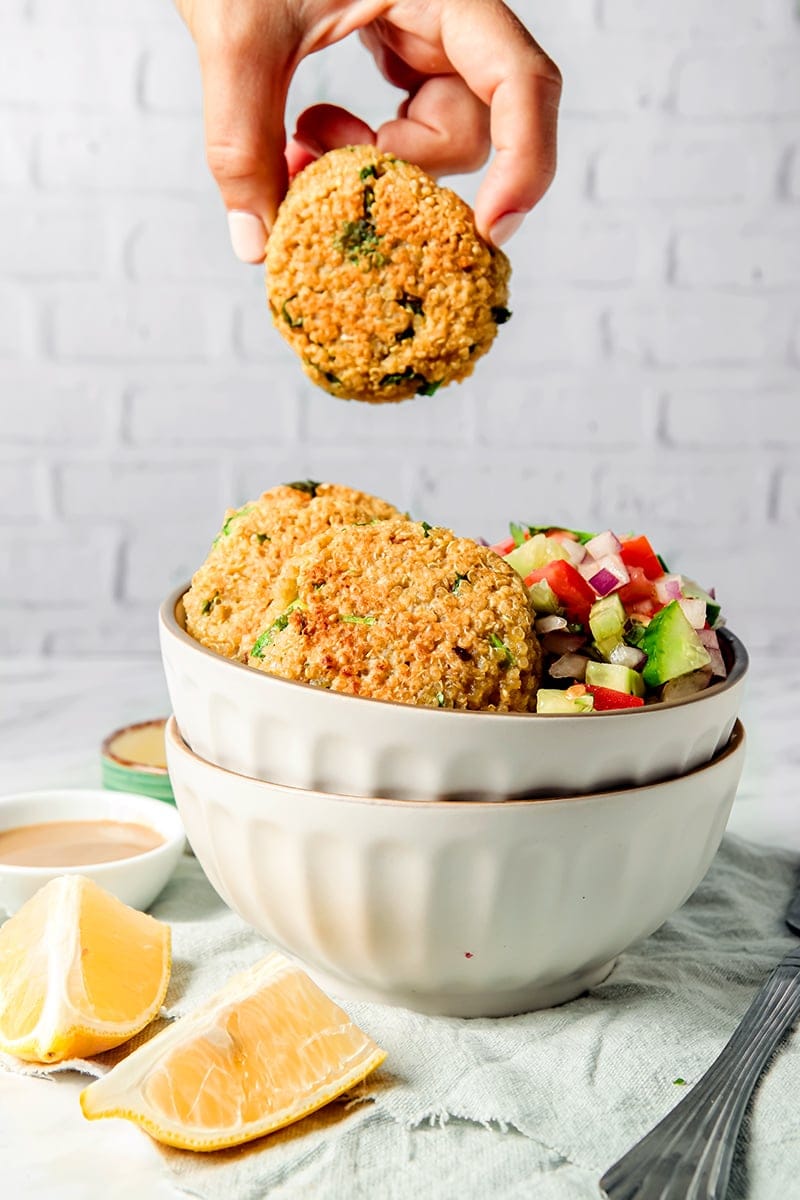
<point x="136" y="881"/>
<point x="302" y="736"/>
<point x="462" y="908"/>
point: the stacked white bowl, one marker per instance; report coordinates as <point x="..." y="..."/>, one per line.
<point x="467" y="863"/>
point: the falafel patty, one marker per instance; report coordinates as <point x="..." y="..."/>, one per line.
<point x="402" y="611"/>
<point x="378" y="279"/>
<point x="233" y="588"/>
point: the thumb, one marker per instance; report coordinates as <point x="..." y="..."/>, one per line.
<point x="244" y="98"/>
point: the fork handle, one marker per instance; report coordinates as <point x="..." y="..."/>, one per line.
<point x="688" y="1155"/>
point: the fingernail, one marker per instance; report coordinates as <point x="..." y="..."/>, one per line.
<point x="248" y="236"/>
<point x="505" y="227"/>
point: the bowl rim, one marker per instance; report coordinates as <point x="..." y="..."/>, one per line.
<point x="735" y="744"/>
<point x="131" y="765"/>
<point x="132" y="862"/>
<point x="171" y="623"/>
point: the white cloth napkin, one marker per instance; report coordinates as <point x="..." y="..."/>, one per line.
<point x="502" y="1107"/>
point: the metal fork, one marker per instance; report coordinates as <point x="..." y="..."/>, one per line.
<point x="688" y="1155"/>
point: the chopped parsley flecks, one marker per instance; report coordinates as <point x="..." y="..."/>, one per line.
<point x="459" y="579"/>
<point x="413" y="303"/>
<point x="499" y="644"/>
<point x="500" y="314"/>
<point x="426" y="528"/>
<point x="226" y="527"/>
<point x="292" y="322"/>
<point x="370" y="172"/>
<point x="280" y="623"/>
<point x="309" y="486"/>
<point x="518" y="532"/>
<point x="209" y="604"/>
<point x="580" y="535"/>
<point x="440" y="699"/>
<point x="263" y="537"/>
<point x="425" y="387"/>
<point x="360" y="240"/>
<point x="331" y="378"/>
<point x="679" y="1082"/>
<point x="352" y="619"/>
<point x="396" y="378"/>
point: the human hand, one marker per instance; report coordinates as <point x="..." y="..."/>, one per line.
<point x="474" y="78"/>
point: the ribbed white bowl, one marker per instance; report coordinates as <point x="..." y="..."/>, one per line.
<point x="302" y="736"/>
<point x="462" y="908"/>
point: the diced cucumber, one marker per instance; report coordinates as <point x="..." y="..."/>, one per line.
<point x="606" y="647"/>
<point x="672" y="647"/>
<point x="635" y="631"/>
<point x="543" y="598"/>
<point x="695" y="592"/>
<point x="536" y="552"/>
<point x="551" y="700"/>
<point x="615" y="676"/>
<point x="607" y="619"/>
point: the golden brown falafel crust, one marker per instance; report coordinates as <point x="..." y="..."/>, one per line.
<point x="402" y="611"/>
<point x="378" y="279"/>
<point x="233" y="588"/>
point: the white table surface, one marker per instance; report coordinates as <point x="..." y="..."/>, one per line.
<point x="53" y="717"/>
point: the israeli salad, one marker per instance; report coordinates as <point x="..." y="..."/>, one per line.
<point x="617" y="628"/>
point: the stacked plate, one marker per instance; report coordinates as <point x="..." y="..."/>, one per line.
<point x="467" y="863"/>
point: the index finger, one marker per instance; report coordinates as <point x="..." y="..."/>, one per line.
<point x="503" y="65"/>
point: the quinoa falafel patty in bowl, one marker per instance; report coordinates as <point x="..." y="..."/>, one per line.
<point x="378" y="279"/>
<point x="399" y="610"/>
<point x="233" y="587"/>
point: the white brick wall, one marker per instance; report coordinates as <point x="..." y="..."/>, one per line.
<point x="650" y="378"/>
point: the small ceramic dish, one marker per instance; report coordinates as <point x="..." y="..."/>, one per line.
<point x="136" y="880"/>
<point x="462" y="908"/>
<point x="291" y="733"/>
<point x="132" y="759"/>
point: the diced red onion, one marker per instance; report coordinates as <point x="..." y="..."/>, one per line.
<point x="569" y="666"/>
<point x="587" y="566"/>
<point x="562" y="642"/>
<point x="686" y="685"/>
<point x="550" y="623"/>
<point x="603" y="582"/>
<point x="694" y="610"/>
<point x="668" y="587"/>
<point x="711" y="642"/>
<point x="628" y="656"/>
<point x="604" y="544"/>
<point x="610" y="574"/>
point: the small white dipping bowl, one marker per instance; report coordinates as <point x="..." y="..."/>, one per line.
<point x="307" y="737"/>
<point x="460" y="908"/>
<point x="136" y="881"/>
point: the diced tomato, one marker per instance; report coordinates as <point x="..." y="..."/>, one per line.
<point x="609" y="698"/>
<point x="504" y="547"/>
<point x="574" y="593"/>
<point x="637" y="552"/>
<point x="562" y="535"/>
<point x="639" y="588"/>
